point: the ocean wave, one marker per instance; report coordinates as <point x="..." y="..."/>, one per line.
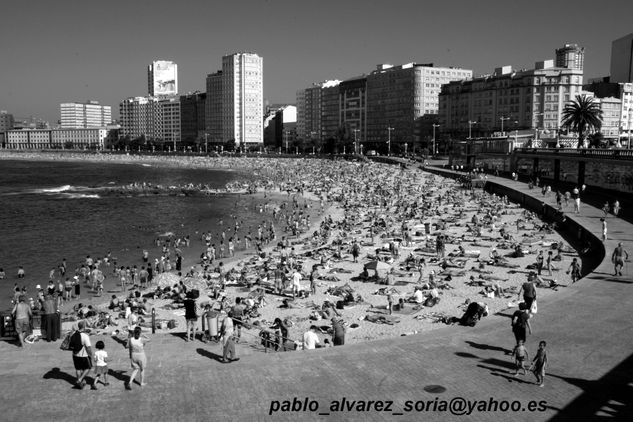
<point x="58" y="189"/>
<point x="79" y="196"/>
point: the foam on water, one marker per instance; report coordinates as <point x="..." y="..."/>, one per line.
<point x="58" y="189"/>
<point x="79" y="195"/>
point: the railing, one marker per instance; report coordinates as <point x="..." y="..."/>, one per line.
<point x="614" y="154"/>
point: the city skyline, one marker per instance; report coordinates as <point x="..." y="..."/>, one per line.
<point x="79" y="51"/>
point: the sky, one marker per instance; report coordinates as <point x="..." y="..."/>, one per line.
<point x="67" y="50"/>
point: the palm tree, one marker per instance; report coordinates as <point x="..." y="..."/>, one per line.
<point x="582" y="115"/>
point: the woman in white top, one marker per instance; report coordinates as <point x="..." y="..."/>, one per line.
<point x="136" y="346"/>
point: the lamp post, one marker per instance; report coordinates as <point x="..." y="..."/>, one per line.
<point x="312" y="139"/>
<point x="470" y="128"/>
<point x="502" y="119"/>
<point x="206" y="143"/>
<point x="628" y="143"/>
<point x="469" y="145"/>
<point x="389" y="129"/>
<point x="356" y="140"/>
<point x="537" y="124"/>
<point x="434" y="126"/>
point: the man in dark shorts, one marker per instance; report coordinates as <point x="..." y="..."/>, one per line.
<point x="192" y="311"/>
<point x="82" y="359"/>
<point x="618" y="258"/>
<point x="528" y="290"/>
<point x="521" y="323"/>
<point x="237" y="313"/>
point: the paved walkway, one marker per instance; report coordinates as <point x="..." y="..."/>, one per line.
<point x="590" y="375"/>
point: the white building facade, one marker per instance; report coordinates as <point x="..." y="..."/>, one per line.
<point x="242" y="99"/>
<point x="38" y="139"/>
<point x="84" y="115"/>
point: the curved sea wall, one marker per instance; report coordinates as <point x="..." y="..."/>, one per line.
<point x="590" y="247"/>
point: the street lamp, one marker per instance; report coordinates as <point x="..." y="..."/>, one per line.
<point x="537" y="125"/>
<point x="389" y="129"/>
<point x="502" y="119"/>
<point x="356" y="140"/>
<point x="206" y="143"/>
<point x="312" y="139"/>
<point x="628" y="144"/>
<point x="434" y="126"/>
<point x="470" y="128"/>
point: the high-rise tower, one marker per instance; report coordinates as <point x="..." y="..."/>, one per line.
<point x="242" y="99"/>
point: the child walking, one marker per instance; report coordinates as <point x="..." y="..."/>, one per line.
<point x="574" y="270"/>
<point x="539" y="363"/>
<point x="520" y="356"/>
<point x="101" y="365"/>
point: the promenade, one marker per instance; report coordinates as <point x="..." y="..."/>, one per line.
<point x="589" y="377"/>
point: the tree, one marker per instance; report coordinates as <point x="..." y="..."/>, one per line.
<point x="230" y="145"/>
<point x="582" y="115"/>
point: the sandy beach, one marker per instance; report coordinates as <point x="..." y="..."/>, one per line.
<point x="378" y="206"/>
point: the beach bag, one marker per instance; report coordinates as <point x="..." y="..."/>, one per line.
<point x="66" y="342"/>
<point x="534" y="307"/>
<point x="75" y="342"/>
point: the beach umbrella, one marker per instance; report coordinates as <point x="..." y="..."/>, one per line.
<point x="377" y="265"/>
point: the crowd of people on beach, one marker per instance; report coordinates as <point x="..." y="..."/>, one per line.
<point x="397" y="222"/>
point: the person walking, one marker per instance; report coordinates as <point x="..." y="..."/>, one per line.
<point x="82" y="354"/>
<point x="521" y="323"/>
<point x="616" y="208"/>
<point x="528" y="290"/>
<point x="604" y="229"/>
<point x="576" y="197"/>
<point x="539" y="363"/>
<point x="574" y="270"/>
<point x="618" y="259"/>
<point x="228" y="342"/>
<point x="101" y="365"/>
<point x="520" y="355"/>
<point x="138" y="359"/>
<point x="22" y="315"/>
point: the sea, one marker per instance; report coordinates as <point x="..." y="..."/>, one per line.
<point x="52" y="210"/>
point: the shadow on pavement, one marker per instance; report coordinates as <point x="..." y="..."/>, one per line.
<point x="511" y="378"/>
<point x="465" y="355"/>
<point x="180" y="335"/>
<point x="210" y="355"/>
<point x="608" y="398"/>
<point x="118" y="374"/>
<point x="482" y="346"/>
<point x="58" y="374"/>
<point x="501" y="363"/>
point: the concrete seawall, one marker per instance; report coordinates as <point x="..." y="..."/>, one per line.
<point x="578" y="236"/>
